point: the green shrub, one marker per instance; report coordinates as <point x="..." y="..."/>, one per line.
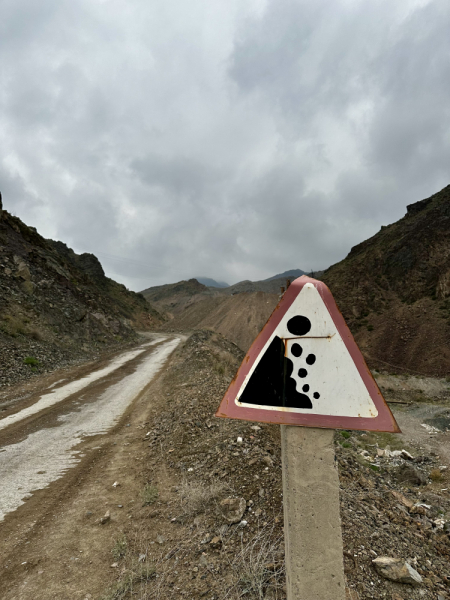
<point x="31" y="361"/>
<point x="345" y="444"/>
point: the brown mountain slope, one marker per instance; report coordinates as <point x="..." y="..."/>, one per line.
<point x="393" y="290"/>
<point x="56" y="305"/>
<point x="173" y="298"/>
<point x="239" y="318"/>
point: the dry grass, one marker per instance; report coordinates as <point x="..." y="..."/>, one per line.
<point x="258" y="569"/>
<point x="132" y="581"/>
<point x="223" y="362"/>
<point x="436" y="475"/>
<point x="196" y="497"/>
<point x="255" y="570"/>
<point x="12" y="326"/>
<point x="18" y="325"/>
<point x="36" y="334"/>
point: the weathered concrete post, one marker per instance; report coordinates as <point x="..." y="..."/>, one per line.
<point x="312" y="524"/>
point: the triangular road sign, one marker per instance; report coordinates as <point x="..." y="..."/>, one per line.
<point x="305" y="368"/>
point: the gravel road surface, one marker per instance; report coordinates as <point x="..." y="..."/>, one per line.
<point x="59" y="420"/>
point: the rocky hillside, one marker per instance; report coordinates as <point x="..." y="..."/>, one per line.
<point x="191" y="304"/>
<point x="56" y="306"/>
<point x="394" y="289"/>
<point x="173" y="298"/>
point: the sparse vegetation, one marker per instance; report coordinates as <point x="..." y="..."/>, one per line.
<point x="395" y="442"/>
<point x="258" y="568"/>
<point x="31" y="361"/>
<point x="150" y="494"/>
<point x="12" y="325"/>
<point x="36" y="334"/>
<point x="141" y="573"/>
<point x="224" y="363"/>
<point x="196" y="497"/>
<point x="120" y="547"/>
<point x="435" y="475"/>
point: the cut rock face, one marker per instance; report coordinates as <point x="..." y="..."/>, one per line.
<point x="233" y="509"/>
<point x="396" y="569"/>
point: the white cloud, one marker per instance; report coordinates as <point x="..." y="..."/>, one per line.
<point x="234" y="139"/>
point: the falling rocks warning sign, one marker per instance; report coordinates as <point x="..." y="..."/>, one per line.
<point x="305" y="368"/>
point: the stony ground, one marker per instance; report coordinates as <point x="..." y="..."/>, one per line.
<point x="195" y="461"/>
<point x="161" y="478"/>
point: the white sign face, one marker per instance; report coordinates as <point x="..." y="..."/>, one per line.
<point x="320" y="377"/>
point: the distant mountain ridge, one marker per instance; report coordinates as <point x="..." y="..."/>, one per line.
<point x="203" y="285"/>
<point x="212" y="282"/>
<point x="292" y="274"/>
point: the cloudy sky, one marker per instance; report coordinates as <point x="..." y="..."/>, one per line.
<point x="225" y="138"/>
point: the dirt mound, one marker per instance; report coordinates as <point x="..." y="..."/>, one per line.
<point x="169" y="291"/>
<point x="57" y="306"/>
<point x="240" y="318"/>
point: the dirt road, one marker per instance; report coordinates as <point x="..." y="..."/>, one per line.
<point x="48" y="438"/>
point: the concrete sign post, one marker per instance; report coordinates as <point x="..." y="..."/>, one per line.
<point x="312" y="524"/>
<point x="304" y="369"/>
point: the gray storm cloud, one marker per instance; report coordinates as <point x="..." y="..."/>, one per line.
<point x="233" y="140"/>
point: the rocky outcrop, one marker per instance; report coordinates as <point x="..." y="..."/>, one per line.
<point x="56" y="305"/>
<point x="88" y="263"/>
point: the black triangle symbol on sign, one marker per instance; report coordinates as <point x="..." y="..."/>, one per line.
<point x="271" y="383"/>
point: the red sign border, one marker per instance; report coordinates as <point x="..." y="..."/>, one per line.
<point x="384" y="421"/>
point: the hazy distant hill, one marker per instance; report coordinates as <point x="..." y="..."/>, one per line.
<point x="172" y="298"/>
<point x="292" y="274"/>
<point x="272" y="285"/>
<point x="212" y="282"/>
